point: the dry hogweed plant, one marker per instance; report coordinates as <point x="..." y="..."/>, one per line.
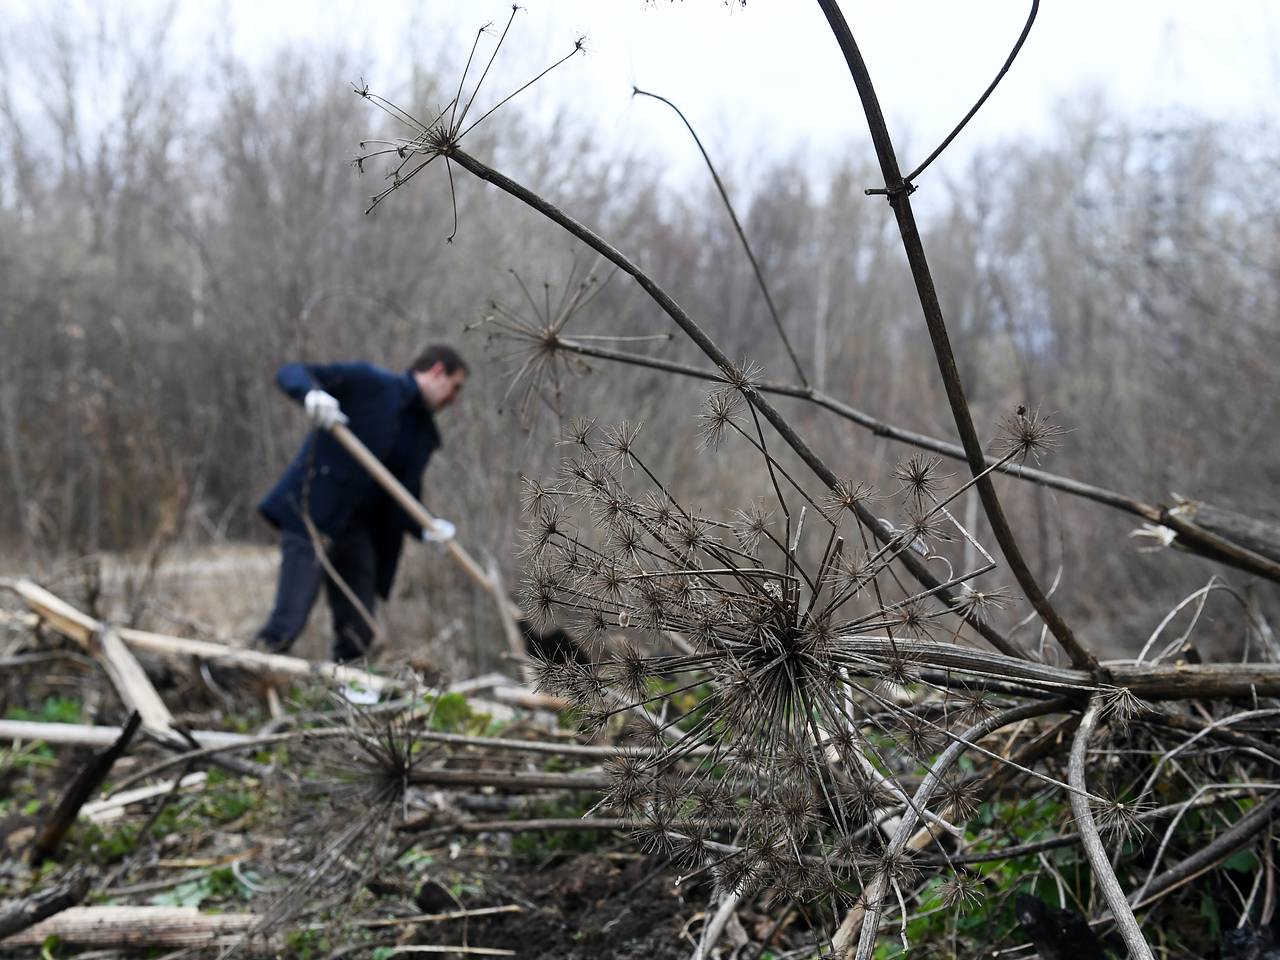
<point x="530" y="336"/>
<point x="812" y="697"/>
<point x="350" y="787"/>
<point x="808" y="736"/>
<point x="437" y="137"/>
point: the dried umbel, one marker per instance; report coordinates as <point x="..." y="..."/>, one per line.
<point x="767" y="751"/>
<point x="439" y="137"/>
<point x="355" y="780"/>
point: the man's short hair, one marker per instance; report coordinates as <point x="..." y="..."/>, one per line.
<point x="439" y="353"/>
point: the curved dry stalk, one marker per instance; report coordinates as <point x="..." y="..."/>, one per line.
<point x="898" y="191"/>
<point x="875" y="892"/>
<point x="737" y="226"/>
<point x="1183" y="808"/>
<point x="1202" y="595"/>
<point x="1099" y="859"/>
<point x="1013" y="55"/>
<point x="1012" y="852"/>
<point x="715" y="927"/>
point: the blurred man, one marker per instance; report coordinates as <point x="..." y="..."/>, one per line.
<point x="360" y="526"/>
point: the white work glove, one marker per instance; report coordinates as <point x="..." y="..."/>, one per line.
<point x="442" y="531"/>
<point x="322" y="409"/>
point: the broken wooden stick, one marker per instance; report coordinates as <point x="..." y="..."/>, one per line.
<point x="83" y="786"/>
<point x="81" y="628"/>
<point x="84" y="735"/>
<point x="131" y="682"/>
<point x="27" y="912"/>
<point x="113" y="808"/>
<point x="135" y="927"/>
<point x="103" y="643"/>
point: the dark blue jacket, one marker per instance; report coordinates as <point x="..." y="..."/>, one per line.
<point x="386" y="411"/>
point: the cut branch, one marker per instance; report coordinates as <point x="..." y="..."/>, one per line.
<point x="81" y="788"/>
<point x="40" y="906"/>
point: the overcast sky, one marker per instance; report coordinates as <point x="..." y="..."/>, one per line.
<point x="767" y="79"/>
<point x="768" y="76"/>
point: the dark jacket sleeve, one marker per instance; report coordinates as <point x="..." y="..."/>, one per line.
<point x="339" y="379"/>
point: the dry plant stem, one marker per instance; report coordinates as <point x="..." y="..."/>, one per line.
<point x="1071" y="839"/>
<point x="455" y="739"/>
<point x="1222" y="846"/>
<point x="918" y="568"/>
<point x="1216" y="732"/>
<point x="85" y="783"/>
<point x="452" y="948"/>
<point x="877" y="427"/>
<point x="519" y="826"/>
<point x="438" y="917"/>
<point x="1013" y="54"/>
<point x="898" y="194"/>
<point x="715" y="927"/>
<point x="1191" y="535"/>
<point x="878" y="889"/>
<point x="737" y="226"/>
<point x="1099" y="858"/>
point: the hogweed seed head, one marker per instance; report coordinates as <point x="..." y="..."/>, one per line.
<point x="921" y="477"/>
<point x="1028" y="433"/>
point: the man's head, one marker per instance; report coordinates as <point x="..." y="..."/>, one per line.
<point x="439" y="373"/>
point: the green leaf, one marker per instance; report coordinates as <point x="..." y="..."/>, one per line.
<point x="189" y="894"/>
<point x="1243" y="861"/>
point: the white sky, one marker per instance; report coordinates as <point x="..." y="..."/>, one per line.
<point x="768" y="79"/>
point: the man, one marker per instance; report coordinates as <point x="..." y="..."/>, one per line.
<point x="361" y="527"/>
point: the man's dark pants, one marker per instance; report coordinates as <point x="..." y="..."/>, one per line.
<point x="301" y="574"/>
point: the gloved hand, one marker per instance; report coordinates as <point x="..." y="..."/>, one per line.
<point x="322" y="409"/>
<point x="441" y="532"/>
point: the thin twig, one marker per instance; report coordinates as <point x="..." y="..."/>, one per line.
<point x="737" y="226"/>
<point x="1022" y="38"/>
<point x="1190" y="535"/>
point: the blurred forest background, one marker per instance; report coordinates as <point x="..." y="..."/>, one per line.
<point x="163" y="253"/>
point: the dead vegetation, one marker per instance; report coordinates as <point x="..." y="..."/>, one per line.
<point x="809" y="725"/>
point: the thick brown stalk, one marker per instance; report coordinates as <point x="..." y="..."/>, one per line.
<point x="686" y="323"/>
<point x="898" y="191"/>
<point x="1147" y="681"/>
